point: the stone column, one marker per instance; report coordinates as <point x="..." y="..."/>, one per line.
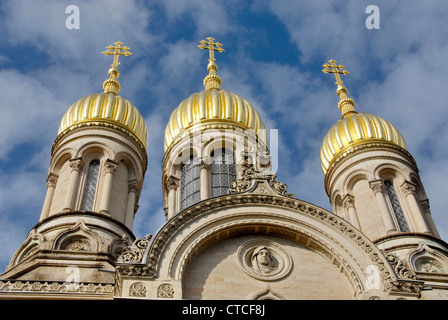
<point x="110" y="167"/>
<point x="51" y="185"/>
<point x="76" y="165"/>
<point x="415" y="213"/>
<point x="424" y="204"/>
<point x="205" y="180"/>
<point x="349" y="204"/>
<point x="133" y="190"/>
<point x="172" y="185"/>
<point x="377" y="188"/>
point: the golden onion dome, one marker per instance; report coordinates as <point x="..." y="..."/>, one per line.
<point x="106" y="107"/>
<point x="354" y="128"/>
<point x="213" y="106"/>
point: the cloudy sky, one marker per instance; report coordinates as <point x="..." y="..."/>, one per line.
<point x="274" y="55"/>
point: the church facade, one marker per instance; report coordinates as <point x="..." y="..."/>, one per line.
<point x="232" y="230"/>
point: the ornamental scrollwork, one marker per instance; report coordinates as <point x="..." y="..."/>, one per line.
<point x="137" y="289"/>
<point x="400" y="267"/>
<point x="249" y="174"/>
<point x="165" y="290"/>
<point x="134" y="253"/>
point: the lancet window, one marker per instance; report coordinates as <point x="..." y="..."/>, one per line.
<point x="223" y="171"/>
<point x="88" y="200"/>
<point x="190" y="183"/>
<point x="396" y="206"/>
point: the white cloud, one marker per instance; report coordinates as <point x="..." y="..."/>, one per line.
<point x="102" y="22"/>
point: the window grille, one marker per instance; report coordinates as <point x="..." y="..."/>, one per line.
<point x="223" y="172"/>
<point x="190" y="184"/>
<point x="90" y="189"/>
<point x="396" y="207"/>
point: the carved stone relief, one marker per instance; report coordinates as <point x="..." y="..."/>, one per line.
<point x="429" y="265"/>
<point x="76" y="243"/>
<point x="165" y="291"/>
<point x="264" y="260"/>
<point x="137" y="289"/>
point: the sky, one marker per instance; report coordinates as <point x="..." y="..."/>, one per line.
<point x="274" y="52"/>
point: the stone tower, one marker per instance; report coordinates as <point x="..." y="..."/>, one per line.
<point x="211" y="137"/>
<point x="373" y="182"/>
<point x="98" y="162"/>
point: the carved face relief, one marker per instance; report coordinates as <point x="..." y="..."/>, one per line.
<point x="264" y="260"/>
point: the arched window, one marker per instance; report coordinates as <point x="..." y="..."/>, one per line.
<point x="223" y="171"/>
<point x="190" y="183"/>
<point x="396" y="206"/>
<point x="88" y="199"/>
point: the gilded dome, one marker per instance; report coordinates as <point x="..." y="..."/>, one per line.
<point x="354" y="129"/>
<point x="106" y="107"/>
<point x="213" y="106"/>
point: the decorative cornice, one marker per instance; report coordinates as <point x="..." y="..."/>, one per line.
<point x="89" y="214"/>
<point x="107" y="125"/>
<point x="199" y="128"/>
<point x="40" y="287"/>
<point x="358" y="148"/>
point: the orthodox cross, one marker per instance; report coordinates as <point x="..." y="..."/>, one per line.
<point x="117" y="50"/>
<point x="211" y="46"/>
<point x="332" y="67"/>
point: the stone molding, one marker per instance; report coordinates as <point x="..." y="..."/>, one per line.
<point x="39" y="287"/>
<point x="142" y="156"/>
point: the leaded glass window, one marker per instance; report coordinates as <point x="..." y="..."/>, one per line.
<point x="396" y="206"/>
<point x="223" y="171"/>
<point x="88" y="199"/>
<point x="190" y="183"/>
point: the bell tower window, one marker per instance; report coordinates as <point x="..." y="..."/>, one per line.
<point x="223" y="171"/>
<point x="88" y="199"/>
<point x="190" y="191"/>
<point x="396" y="206"/>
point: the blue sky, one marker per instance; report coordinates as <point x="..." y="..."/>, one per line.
<point x="274" y="55"/>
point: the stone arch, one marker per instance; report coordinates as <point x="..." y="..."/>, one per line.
<point x="77" y="238"/>
<point x="192" y="230"/>
<point x="389" y="169"/>
<point x="427" y="260"/>
<point x="95" y="147"/>
<point x="354" y="177"/>
<point x="30" y="246"/>
<point x="131" y="165"/>
<point x="59" y="159"/>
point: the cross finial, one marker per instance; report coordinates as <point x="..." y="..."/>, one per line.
<point x="111" y="85"/>
<point x="332" y="67"/>
<point x="117" y="50"/>
<point x="211" y="46"/>
<point x="212" y="81"/>
<point x="346" y="105"/>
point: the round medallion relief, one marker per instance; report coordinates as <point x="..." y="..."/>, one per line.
<point x="264" y="260"/>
